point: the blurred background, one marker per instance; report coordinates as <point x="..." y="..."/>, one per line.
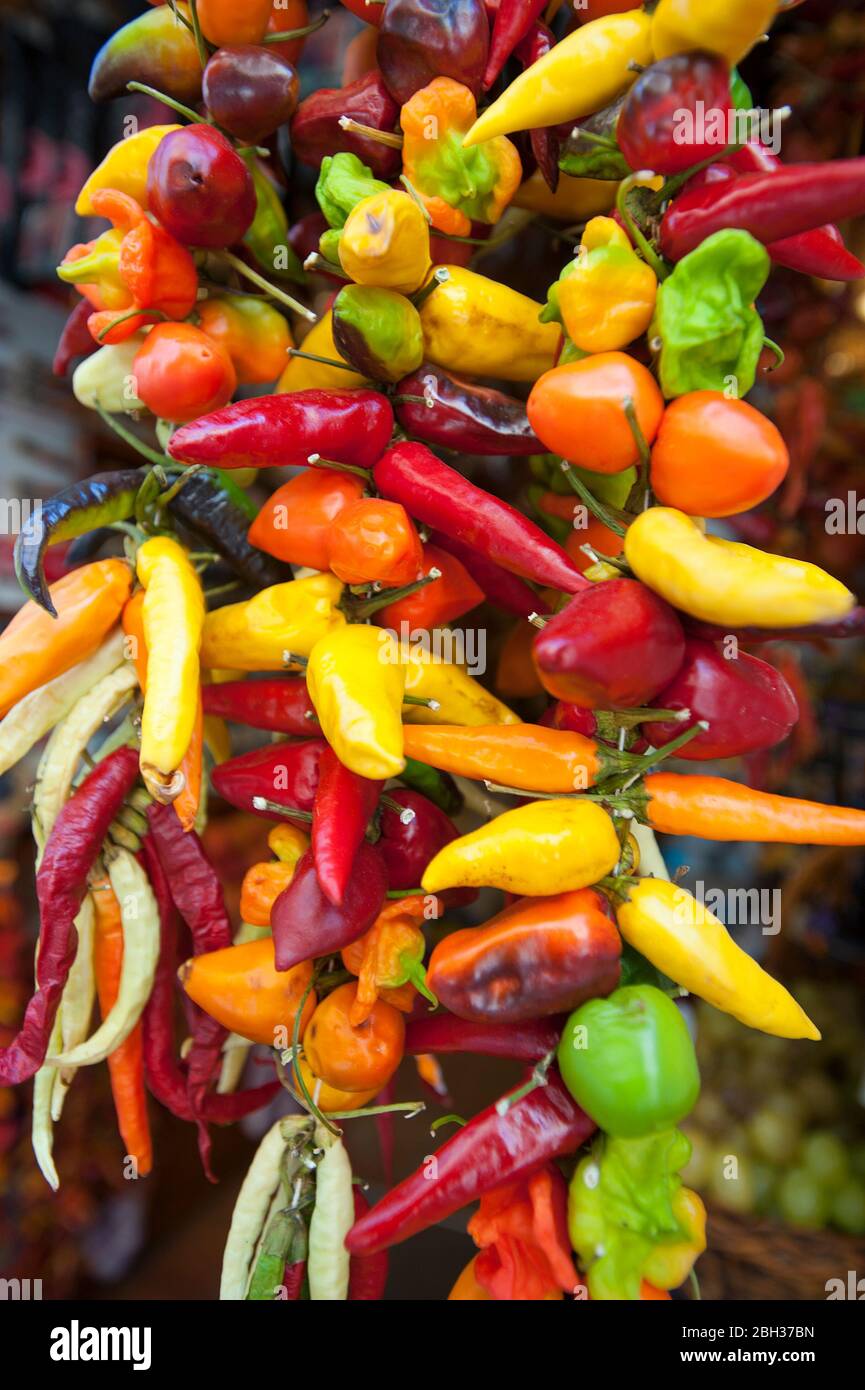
<point x="791" y="1114"/>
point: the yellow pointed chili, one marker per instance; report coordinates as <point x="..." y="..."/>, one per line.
<point x="537" y="850"/>
<point x="356" y="680"/>
<point x="728" y="27"/>
<point x="476" y="325"/>
<point x="257" y="635"/>
<point x="687" y="942"/>
<point x="172" y="615"/>
<point x="458" y="697"/>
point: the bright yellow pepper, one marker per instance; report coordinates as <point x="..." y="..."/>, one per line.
<point x="726" y="582"/>
<point x="478" y="326"/>
<point x="124" y="168"/>
<point x="728" y="27"/>
<point x="287" y="842"/>
<point x="687" y="942"/>
<point x="607" y="298"/>
<point x="573" y="201"/>
<point x="172" y="616"/>
<point x="583" y="73"/>
<point x="356" y="681"/>
<point x="385" y="242"/>
<point x="303" y="375"/>
<point x="460" y="698"/>
<point x="543" y="848"/>
<point x="257" y="634"/>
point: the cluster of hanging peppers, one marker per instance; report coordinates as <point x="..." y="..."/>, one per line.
<point x="625" y="390"/>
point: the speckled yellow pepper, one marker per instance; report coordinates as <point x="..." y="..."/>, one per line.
<point x="606" y="296"/>
<point x="687" y="942"/>
<point x="172" y="616"/>
<point x="356" y="681"/>
<point x="728" y="27"/>
<point x="475" y="325"/>
<point x="257" y="635"/>
<point x="460" y="698"/>
<point x="385" y="242"/>
<point x="543" y="848"/>
<point x="303" y="375"/>
<point x="726" y="582"/>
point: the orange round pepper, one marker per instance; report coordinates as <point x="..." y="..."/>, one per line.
<point x="716" y="456"/>
<point x="330" y="1098"/>
<point x="181" y="373"/>
<point x="374" y="540"/>
<point x="294" y="523"/>
<point x="262" y="885"/>
<point x="229" y="22"/>
<point x="354" y="1059"/>
<point x="580" y="411"/>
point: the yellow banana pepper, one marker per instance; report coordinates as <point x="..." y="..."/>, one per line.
<point x="480" y="327"/>
<point x="385" y="242"/>
<point x="172" y="616"/>
<point x="607" y="295"/>
<point x="460" y="698"/>
<point x="303" y="375"/>
<point x="583" y="73"/>
<point x="726" y="582"/>
<point x="356" y="681"/>
<point x="573" y="201"/>
<point x="543" y="848"/>
<point x="687" y="942"/>
<point x="124" y="168"/>
<point x="728" y="27"/>
<point x="257" y="634"/>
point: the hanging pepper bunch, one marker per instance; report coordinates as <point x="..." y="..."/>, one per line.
<point x="383" y="758"/>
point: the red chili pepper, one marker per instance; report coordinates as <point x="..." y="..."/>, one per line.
<point x="448" y="598"/>
<point x="514" y="19"/>
<point x="61" y="883"/>
<point x="286" y="773"/>
<point x="281" y="706"/>
<point x="439" y="496"/>
<point x="344" y="803"/>
<point x="292" y="1280"/>
<point x="76" y="340"/>
<point x="316" y="131"/>
<point x="306" y="925"/>
<point x="490" y="1150"/>
<point x="408" y="846"/>
<point x="461" y="415"/>
<point x="521" y="1042"/>
<point x="617" y="644"/>
<point x="770" y="206"/>
<point x="507" y="591"/>
<point x="367" y="1274"/>
<point x="351" y="427"/>
<point x="544" y="140"/>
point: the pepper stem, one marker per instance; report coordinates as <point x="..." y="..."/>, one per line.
<point x="369" y="132"/>
<point x="440" y="276"/>
<point x="203" y="54"/>
<point x="416" y="976"/>
<point x="405" y="813"/>
<point x="170" y="493"/>
<point x="263" y="803"/>
<point x="539" y="1077"/>
<point x="421" y="700"/>
<point x="779" y="352"/>
<point x="286" y="34"/>
<point x="325" y="361"/>
<point x="317" y="461"/>
<point x="634" y="232"/>
<point x="131" y="439"/>
<point x="294" y="304"/>
<point x="643" y="762"/>
<point x="315" y="261"/>
<point x="415" y="196"/>
<point x="367" y="607"/>
<point x="597" y="509"/>
<point x="177" y="106"/>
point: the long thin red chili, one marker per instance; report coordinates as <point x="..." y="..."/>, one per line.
<point x="521" y="1042"/>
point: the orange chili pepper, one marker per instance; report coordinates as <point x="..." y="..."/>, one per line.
<point x="429" y="1069"/>
<point x="242" y="989"/>
<point x="262" y="885"/>
<point x="374" y="541"/>
<point x="227" y="22"/>
<point x="713" y="808"/>
<point x="516" y="677"/>
<point x="125" y="1063"/>
<point x="35" y="647"/>
<point x="518" y="755"/>
<point x="354" y="1059"/>
<point x="391" y="959"/>
<point x="595" y="534"/>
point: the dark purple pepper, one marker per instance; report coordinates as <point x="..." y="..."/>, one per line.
<point x="422" y="39"/>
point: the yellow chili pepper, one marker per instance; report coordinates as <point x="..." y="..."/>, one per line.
<point x="583" y="73"/>
<point x="671" y="1261"/>
<point x="303" y="375"/>
<point x="356" y="680"/>
<point x="287" y="842"/>
<point x="385" y="242"/>
<point x="475" y="325"/>
<point x="726" y="582"/>
<point x="607" y="295"/>
<point x="460" y="698"/>
<point x="684" y="940"/>
<point x="728" y="27"/>
<point x="544" y="848"/>
<point x="124" y="168"/>
<point x="172" y="615"/>
<point x="257" y="634"/>
<point x="573" y="201"/>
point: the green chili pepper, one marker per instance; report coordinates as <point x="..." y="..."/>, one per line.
<point x="344" y="181"/>
<point x="267" y="238"/>
<point x="378" y="331"/>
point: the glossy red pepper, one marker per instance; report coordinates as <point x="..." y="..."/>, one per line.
<point x="61" y="884"/>
<point x="344" y="804"/>
<point x="446" y="599"/>
<point x="283" y="706"/>
<point x="440" y="497"/>
<point x="285" y="773"/>
<point x="539" y="956"/>
<point x="652" y="120"/>
<point x="521" y="1042"/>
<point x="316" y="131"/>
<point x="367" y="1274"/>
<point x="461" y="415"/>
<point x="513" y="20"/>
<point x="617" y="644"/>
<point x="505" y="590"/>
<point x="746" y="703"/>
<point x="305" y="924"/>
<point x="408" y="846"/>
<point x="282" y="431"/>
<point x="490" y="1150"/>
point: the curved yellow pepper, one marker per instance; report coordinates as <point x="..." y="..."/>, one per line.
<point x="726" y="582"/>
<point x="671" y="1261"/>
<point x="728" y="27"/>
<point x="172" y="615"/>
<point x="608" y="299"/>
<point x="257" y="634"/>
<point x="573" y="201"/>
<point x="480" y="327"/>
<point x="385" y="242"/>
<point x="124" y="168"/>
<point x="583" y="73"/>
<point x="356" y="680"/>
<point x="687" y="942"/>
<point x="543" y="848"/>
<point x="461" y="699"/>
<point x="303" y="375"/>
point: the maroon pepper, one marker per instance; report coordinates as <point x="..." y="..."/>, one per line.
<point x="491" y="1150"/>
<point x="514" y="19"/>
<point x="440" y="497"/>
<point x="407" y="846"/>
<point x="351" y="427"/>
<point x="651" y="121"/>
<point x="617" y="644"/>
<point x="367" y="1274"/>
<point x="344" y="804"/>
<point x="507" y="591"/>
<point x="316" y="131"/>
<point x="459" y="415"/>
<point x="419" y="40"/>
<point x="305" y="924"/>
<point x="76" y="340"/>
<point x="520" y="1042"/>
<point x="61" y="885"/>
<point x="545" y="141"/>
<point x="284" y="773"/>
<point x="282" y="706"/>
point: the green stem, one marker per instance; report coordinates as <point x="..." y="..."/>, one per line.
<point x="440" y="276"/>
<point x="421" y="700"/>
<point x="203" y="54"/>
<point x="177" y="106"/>
<point x="295" y="1052"/>
<point x="537" y="1078"/>
<point x="672" y="185"/>
<point x="649" y="254"/>
<point x="324" y="361"/>
<point x="170" y="493"/>
<point x="415" y="197"/>
<point x="130" y="314"/>
<point x="317" y="461"/>
<point x="366" y="608"/>
<point x="129" y="438"/>
<point x="315" y="261"/>
<point x="263" y="803"/>
<point x="597" y="509"/>
<point x="407" y="1107"/>
<point x="252" y="275"/>
<point x="644" y="762"/>
<point x="777" y="350"/>
<point x="447" y="1120"/>
<point x="411" y="892"/>
<point x="369" y="132"/>
<point x="287" y="34"/>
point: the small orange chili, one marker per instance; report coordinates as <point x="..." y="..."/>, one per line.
<point x="354" y="1059"/>
<point x="294" y="523"/>
<point x="391" y="959"/>
<point x="374" y="540"/>
<point x="262" y="885"/>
